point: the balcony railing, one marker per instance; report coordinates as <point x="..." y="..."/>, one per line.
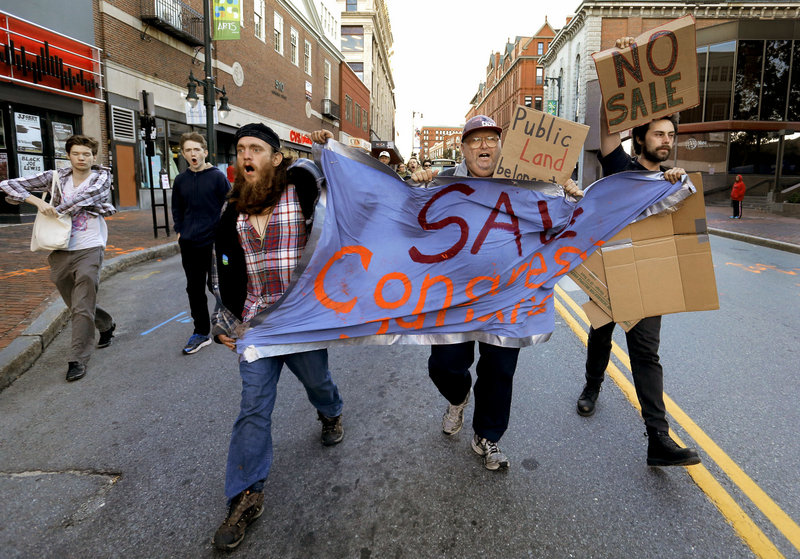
<point x="331" y="109"/>
<point x="174" y="18"/>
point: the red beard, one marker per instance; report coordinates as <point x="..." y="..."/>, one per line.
<point x="254" y="196"/>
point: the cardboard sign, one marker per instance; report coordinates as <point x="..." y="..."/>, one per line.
<point x="656" y="76"/>
<point x="540" y="146"/>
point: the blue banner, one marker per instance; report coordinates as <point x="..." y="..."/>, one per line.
<point x="460" y="259"/>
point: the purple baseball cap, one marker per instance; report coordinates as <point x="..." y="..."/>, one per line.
<point x="479" y="122"/>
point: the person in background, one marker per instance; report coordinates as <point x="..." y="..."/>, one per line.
<point x="427" y="164"/>
<point x="737" y="196"/>
<point x="261" y="236"/>
<point x="652" y="143"/>
<point x="84" y="192"/>
<point x="384" y="157"/>
<point x="402" y="171"/>
<point x="198" y="194"/>
<point x="230" y="171"/>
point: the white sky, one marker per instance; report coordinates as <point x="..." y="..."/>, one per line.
<point x="441" y="49"/>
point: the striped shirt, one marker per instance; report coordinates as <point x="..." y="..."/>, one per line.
<point x="270" y="259"/>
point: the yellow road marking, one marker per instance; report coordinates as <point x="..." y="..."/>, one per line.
<point x="744" y="526"/>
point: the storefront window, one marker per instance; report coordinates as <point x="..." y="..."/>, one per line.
<point x="776" y="79"/>
<point x="718" y="83"/>
<point x="695" y="114"/>
<point x="748" y="80"/>
<point x="794" y="94"/>
<point x="753" y="153"/>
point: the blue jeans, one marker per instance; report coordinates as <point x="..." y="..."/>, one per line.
<point x="250" y="452"/>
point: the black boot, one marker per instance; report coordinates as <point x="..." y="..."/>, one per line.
<point x="587" y="399"/>
<point x="663" y="451"/>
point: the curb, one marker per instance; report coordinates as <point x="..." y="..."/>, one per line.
<point x="22" y="353"/>
<point x="753" y="240"/>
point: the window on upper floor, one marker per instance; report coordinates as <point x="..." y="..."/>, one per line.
<point x="358" y="115"/>
<point x="307" y="58"/>
<point x="365" y="120"/>
<point x="539" y="75"/>
<point x="351" y="5"/>
<point x="352" y="38"/>
<point x="528" y="100"/>
<point x="348" y="108"/>
<point x="327" y="80"/>
<point x="294" y="38"/>
<point x="537" y="103"/>
<point x="358" y="69"/>
<point x="278" y="34"/>
<point x="258" y="20"/>
<point x="540" y="49"/>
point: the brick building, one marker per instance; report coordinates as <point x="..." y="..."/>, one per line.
<point x="749" y="118"/>
<point x="430" y="135"/>
<point x="282" y="71"/>
<point x="513" y="77"/>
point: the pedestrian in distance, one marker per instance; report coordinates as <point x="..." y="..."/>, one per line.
<point x="652" y="143"/>
<point x="84" y="192"/>
<point x="261" y="236"/>
<point x="198" y="194"/>
<point x="737" y="196"/>
<point x="448" y="365"/>
<point x="384" y="157"/>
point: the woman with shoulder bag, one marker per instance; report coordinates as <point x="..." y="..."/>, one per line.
<point x="82" y="191"/>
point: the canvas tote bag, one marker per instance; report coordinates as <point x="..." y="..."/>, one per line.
<point x="51" y="233"/>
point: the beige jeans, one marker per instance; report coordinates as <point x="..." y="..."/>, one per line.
<point x="76" y="274"/>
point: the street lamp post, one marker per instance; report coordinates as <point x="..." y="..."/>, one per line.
<point x="209" y="89"/>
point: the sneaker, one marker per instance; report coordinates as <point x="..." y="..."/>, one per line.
<point x="332" y="429"/>
<point x="453" y="418"/>
<point x="245" y="508"/>
<point x="196" y="343"/>
<point x="75" y="371"/>
<point x="493" y="457"/>
<point x="105" y="337"/>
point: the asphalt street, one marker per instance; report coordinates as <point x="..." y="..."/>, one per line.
<point x="129" y="461"/>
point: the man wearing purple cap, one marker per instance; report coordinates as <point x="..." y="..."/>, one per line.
<point x="260" y="239"/>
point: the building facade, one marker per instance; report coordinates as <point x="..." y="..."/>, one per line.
<point x="431" y="135"/>
<point x="366" y="41"/>
<point x="51" y="86"/>
<point x="283" y="71"/>
<point x="749" y="76"/>
<point x="513" y="77"/>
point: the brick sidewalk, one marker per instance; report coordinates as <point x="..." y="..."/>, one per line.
<point x="25" y="286"/>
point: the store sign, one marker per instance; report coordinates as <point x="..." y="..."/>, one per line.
<point x="299" y="138"/>
<point x="47" y="60"/>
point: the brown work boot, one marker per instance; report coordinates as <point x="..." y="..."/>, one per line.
<point x="332" y="429"/>
<point x="245" y="508"/>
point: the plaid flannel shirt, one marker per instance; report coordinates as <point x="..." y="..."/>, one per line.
<point x="270" y="262"/>
<point x="94" y="198"/>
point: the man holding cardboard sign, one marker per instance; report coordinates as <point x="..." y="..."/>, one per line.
<point x="652" y="142"/>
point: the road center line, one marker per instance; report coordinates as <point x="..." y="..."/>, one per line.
<point x="744" y="526"/>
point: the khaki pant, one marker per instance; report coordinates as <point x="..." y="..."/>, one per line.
<point x="76" y="274"/>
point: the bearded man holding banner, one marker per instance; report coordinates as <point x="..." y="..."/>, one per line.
<point x="652" y="142"/>
<point x="259" y="241"/>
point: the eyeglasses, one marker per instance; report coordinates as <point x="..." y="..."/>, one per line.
<point x="476" y="141"/>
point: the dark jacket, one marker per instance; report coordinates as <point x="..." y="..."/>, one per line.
<point x="197" y="199"/>
<point x="231" y="268"/>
